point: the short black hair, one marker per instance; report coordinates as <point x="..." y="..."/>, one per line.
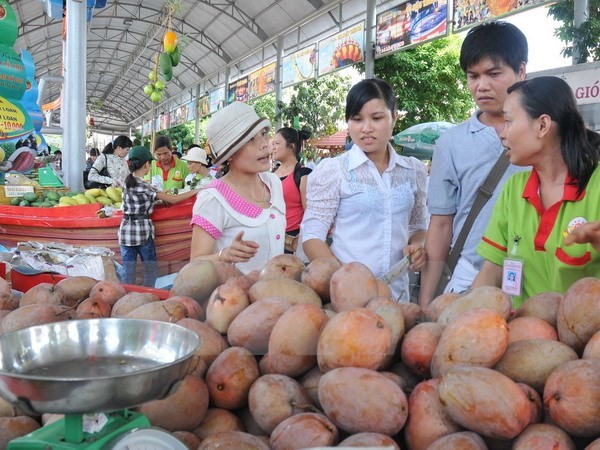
<point x="500" y="41"/>
<point x="163" y="141"/>
<point x="367" y="90"/>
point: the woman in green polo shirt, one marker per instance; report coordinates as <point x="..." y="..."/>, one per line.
<point x="538" y="209"/>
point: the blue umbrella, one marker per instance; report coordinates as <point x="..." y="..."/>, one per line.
<point x="419" y="140"/>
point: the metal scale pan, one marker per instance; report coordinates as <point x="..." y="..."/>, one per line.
<point x="80" y="367"/>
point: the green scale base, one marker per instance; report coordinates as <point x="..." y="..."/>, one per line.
<point x="67" y="433"/>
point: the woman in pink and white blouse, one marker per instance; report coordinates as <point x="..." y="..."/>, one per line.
<point x="240" y="217"/>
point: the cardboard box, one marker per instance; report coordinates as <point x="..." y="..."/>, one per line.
<point x="69" y="260"/>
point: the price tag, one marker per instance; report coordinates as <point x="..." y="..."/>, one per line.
<point x="16" y="191"/>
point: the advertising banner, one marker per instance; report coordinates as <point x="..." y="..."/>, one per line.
<point x="238" y="91"/>
<point x="410" y="23"/>
<point x="262" y="81"/>
<point x="217" y="99"/>
<point x="468" y="13"/>
<point x="342" y="49"/>
<point x="299" y="66"/>
<point x="203" y="106"/>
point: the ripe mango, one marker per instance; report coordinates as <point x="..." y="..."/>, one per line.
<point x="113" y="194"/>
<point x="104" y="201"/>
<point x="95" y="192"/>
<point x="67" y="201"/>
<point x="81" y="199"/>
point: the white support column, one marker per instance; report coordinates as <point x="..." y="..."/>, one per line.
<point x="74" y="98"/>
<point x="370" y="32"/>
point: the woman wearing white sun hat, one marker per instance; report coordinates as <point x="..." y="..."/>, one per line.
<point x="199" y="164"/>
<point x="239" y="218"/>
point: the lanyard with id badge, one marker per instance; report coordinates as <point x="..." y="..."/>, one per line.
<point x="512" y="271"/>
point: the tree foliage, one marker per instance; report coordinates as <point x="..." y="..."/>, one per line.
<point x="265" y="107"/>
<point x="317" y="105"/>
<point x="584" y="40"/>
<point x="429" y="83"/>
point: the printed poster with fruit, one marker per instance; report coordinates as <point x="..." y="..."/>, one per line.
<point x="16" y="126"/>
<point x="468" y="13"/>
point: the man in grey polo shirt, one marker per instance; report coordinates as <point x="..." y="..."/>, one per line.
<point x="493" y="57"/>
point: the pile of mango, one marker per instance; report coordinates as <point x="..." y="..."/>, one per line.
<point x="109" y="196"/>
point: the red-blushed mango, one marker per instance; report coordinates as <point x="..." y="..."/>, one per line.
<point x="30" y="315"/>
<point x="194" y="309"/>
<point x="427" y="417"/>
<point x="418" y="347"/>
<point x="413" y="314"/>
<point x="363" y="400"/>
<point x="110" y="291"/>
<point x="310" y="382"/>
<point x="197" y="279"/>
<point x="488" y="297"/>
<point x="317" y="276"/>
<point x="352" y="286"/>
<point x="230" y="440"/>
<point x="76" y="288"/>
<point x="188" y="438"/>
<point x="273" y="398"/>
<point x="532" y="361"/>
<point x="44" y="294"/>
<point x="543" y="306"/>
<point x="15" y="427"/>
<point x="304" y="430"/>
<point x="8" y="301"/>
<point x="370" y="440"/>
<point x="217" y="420"/>
<point x="594" y="445"/>
<point x="225" y="271"/>
<point x="170" y="311"/>
<point x="252" y="327"/>
<point x="250" y="424"/>
<point x="354" y="338"/>
<point x="438" y="304"/>
<point x="131" y="301"/>
<point x="92" y="308"/>
<point x="293" y="340"/>
<point x="463" y="440"/>
<point x="485" y="401"/>
<point x="182" y="410"/>
<point x="282" y="266"/>
<point x="477" y="337"/>
<point x="572" y="397"/>
<point x="391" y="313"/>
<point x="225" y="303"/>
<point x="592" y="348"/>
<point x="212" y="344"/>
<point x="535" y="402"/>
<point x="230" y="377"/>
<point x="578" y="316"/>
<point x="543" y="436"/>
<point x="291" y="290"/>
<point x="525" y="328"/>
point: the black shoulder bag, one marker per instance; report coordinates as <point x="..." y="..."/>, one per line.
<point x="93" y="184"/>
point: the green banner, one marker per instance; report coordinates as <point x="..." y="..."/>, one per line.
<point x="13" y="79"/>
<point x="9" y="29"/>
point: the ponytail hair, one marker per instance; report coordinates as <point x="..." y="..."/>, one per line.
<point x="295" y="139"/>
<point x="133" y="164"/>
<point x="120" y="141"/>
<point x="579" y="146"/>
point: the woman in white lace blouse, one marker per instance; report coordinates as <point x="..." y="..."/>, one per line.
<point x="370" y="198"/>
<point x="113" y="158"/>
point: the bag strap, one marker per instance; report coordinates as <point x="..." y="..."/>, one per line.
<point x="484" y="193"/>
<point x="297" y="175"/>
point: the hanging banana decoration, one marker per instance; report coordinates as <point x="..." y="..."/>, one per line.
<point x="165" y="60"/>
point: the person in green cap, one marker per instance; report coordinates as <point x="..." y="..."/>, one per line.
<point x="136" y="232"/>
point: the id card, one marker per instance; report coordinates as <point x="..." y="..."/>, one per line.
<point x="512" y="276"/>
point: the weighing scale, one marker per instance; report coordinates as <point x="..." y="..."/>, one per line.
<point x="92" y="371"/>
